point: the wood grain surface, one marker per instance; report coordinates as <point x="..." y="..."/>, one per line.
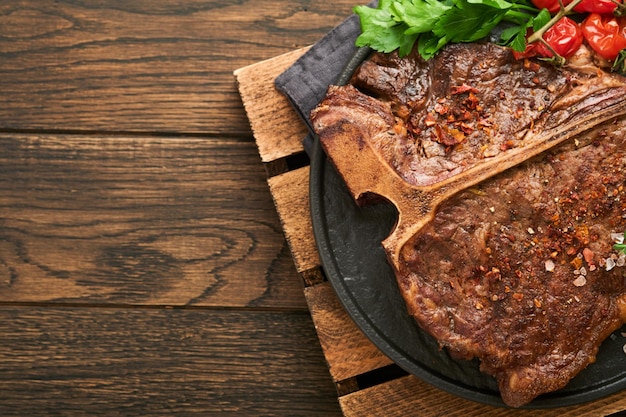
<point x="143" y="66"/>
<point x="272" y="120"/>
<point x="139" y="220"/>
<point x="154" y="362"/>
<point x="396" y="397"/>
<point x="143" y="266"/>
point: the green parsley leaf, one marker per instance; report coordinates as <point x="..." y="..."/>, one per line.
<point x="400" y="24"/>
<point x="406" y="44"/>
<point x="429" y="44"/>
<point x="468" y="22"/>
<point x="515" y="36"/>
<point x="496" y="4"/>
<point x="540" y="20"/>
<point x="379" y="30"/>
<point x="419" y="15"/>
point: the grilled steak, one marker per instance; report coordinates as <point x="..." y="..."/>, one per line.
<point x="514" y="271"/>
<point x="510" y="257"/>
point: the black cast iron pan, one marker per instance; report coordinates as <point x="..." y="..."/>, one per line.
<point x="349" y="242"/>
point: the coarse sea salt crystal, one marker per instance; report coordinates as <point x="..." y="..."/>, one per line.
<point x="580" y="281"/>
<point x="610" y="264"/>
<point x="621" y="260"/>
<point x="617" y="238"/>
<point x="550" y="265"/>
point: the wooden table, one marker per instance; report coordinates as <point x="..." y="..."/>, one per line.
<point x="155" y="253"/>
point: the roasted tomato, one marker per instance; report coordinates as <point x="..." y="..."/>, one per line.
<point x="605" y="34"/>
<point x="565" y="37"/>
<point x="553" y="6"/>
<point x="595" y="6"/>
<point x="585" y="6"/>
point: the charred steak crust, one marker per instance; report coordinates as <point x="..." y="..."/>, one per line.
<point x="513" y="271"/>
<point x="476" y="100"/>
<point x="518" y="270"/>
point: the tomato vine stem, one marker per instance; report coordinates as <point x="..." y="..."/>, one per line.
<point x="538" y="35"/>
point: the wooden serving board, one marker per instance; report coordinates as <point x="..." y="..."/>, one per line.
<point x="368" y="383"/>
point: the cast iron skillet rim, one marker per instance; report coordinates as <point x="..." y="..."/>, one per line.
<point x="390" y="349"/>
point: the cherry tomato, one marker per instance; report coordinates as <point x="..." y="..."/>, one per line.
<point x="585" y="6"/>
<point x="595" y="6"/>
<point x="526" y="54"/>
<point x="565" y="37"/>
<point x="605" y="34"/>
<point x="553" y="6"/>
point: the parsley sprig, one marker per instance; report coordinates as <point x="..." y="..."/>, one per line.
<point x="400" y="24"/>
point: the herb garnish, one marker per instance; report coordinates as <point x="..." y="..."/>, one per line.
<point x="400" y="24"/>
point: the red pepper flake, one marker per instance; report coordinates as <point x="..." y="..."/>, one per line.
<point x="463" y="88"/>
<point x="464" y="115"/>
<point x="448" y="136"/>
<point x="472" y="102"/>
<point x="518" y="296"/>
<point x="505" y="146"/>
<point x="442" y="108"/>
<point x="466" y="128"/>
<point x="531" y="65"/>
<point x="577" y="263"/>
<point x="588" y="255"/>
<point x="430" y="120"/>
<point x="399" y="129"/>
<point x="493" y="275"/>
<point x="485" y="123"/>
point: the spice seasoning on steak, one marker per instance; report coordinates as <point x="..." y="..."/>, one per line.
<point x="466" y="104"/>
<point x="518" y="269"/>
<point x="476" y="276"/>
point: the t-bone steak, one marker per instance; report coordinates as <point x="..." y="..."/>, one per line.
<point x="508" y="176"/>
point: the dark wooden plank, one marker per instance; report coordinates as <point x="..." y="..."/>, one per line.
<point x="395" y="398"/>
<point x="139" y="220"/>
<point x="143" y="66"/>
<point x="154" y="362"/>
